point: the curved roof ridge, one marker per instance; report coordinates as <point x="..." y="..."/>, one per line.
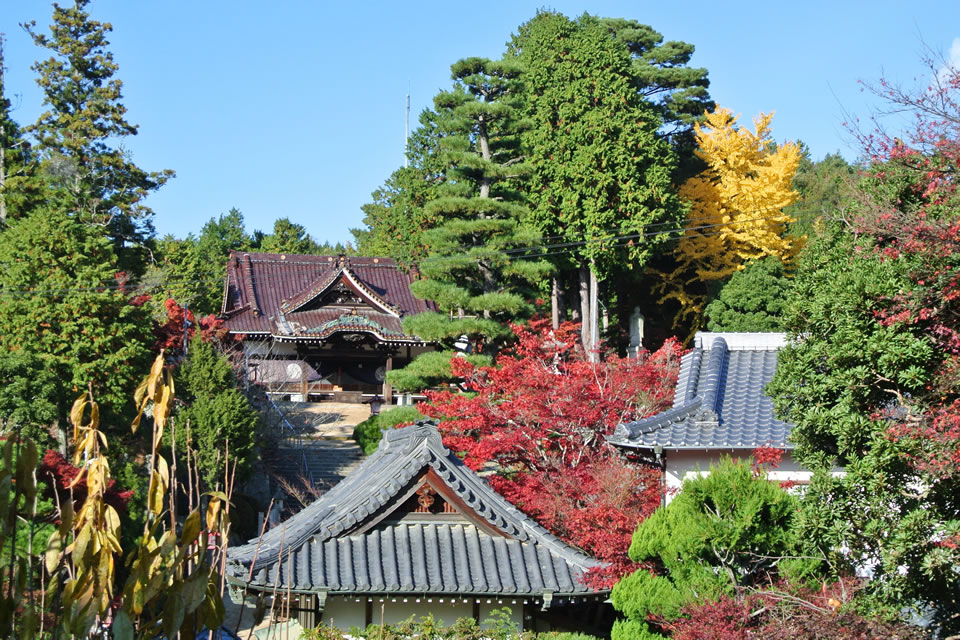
<point x="403" y="453"/>
<point x="713" y="375"/>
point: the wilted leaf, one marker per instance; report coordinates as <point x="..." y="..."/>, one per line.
<point x="51" y="556"/>
<point x="76" y="413"/>
<point x="191" y="529"/>
<point x="157" y="494"/>
<point x="213" y="509"/>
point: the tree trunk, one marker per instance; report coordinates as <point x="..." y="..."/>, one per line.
<point x="594" y="354"/>
<point x="561" y="298"/>
<point x="555" y="301"/>
<point x="484" y="141"/>
<point x="585" y="309"/>
<point x="3" y="133"/>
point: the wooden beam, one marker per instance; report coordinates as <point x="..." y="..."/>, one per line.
<point x="387" y="389"/>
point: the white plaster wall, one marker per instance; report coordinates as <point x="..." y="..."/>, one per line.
<point x="344" y="612"/>
<point x="686" y="464"/>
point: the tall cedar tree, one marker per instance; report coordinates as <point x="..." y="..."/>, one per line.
<point x="540" y="416"/>
<point x="871" y="380"/>
<point x="60" y="303"/>
<point x="602" y="171"/>
<point x="475" y="271"/>
<point x="736" y="210"/>
<point x="20" y="187"/>
<point x="94" y="181"/>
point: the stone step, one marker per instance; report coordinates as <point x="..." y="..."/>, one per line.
<point x="328" y="460"/>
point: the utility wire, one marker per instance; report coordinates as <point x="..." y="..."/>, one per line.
<point x="545" y="250"/>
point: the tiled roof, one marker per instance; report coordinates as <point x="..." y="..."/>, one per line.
<point x="268" y="293"/>
<point x="423" y="558"/>
<point x="719" y="401"/>
<point x="342" y="543"/>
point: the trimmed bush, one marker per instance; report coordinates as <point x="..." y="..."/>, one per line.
<point x="368" y="433"/>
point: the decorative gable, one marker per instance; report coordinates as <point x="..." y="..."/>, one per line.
<point x="340" y="289"/>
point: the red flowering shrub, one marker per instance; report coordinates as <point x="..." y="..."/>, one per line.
<point x="540" y="416"/>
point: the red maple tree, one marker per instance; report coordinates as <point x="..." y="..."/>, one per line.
<point x="57" y="471"/>
<point x="170" y="334"/>
<point x="539" y="417"/>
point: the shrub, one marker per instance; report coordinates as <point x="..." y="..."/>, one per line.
<point x="368" y="433"/>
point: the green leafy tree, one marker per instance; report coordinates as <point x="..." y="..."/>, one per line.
<point x="475" y="272"/>
<point x="60" y="302"/>
<point x="217" y="412"/>
<point x="826" y="187"/>
<point x="723" y="532"/>
<point x="218" y="237"/>
<point x="754" y="299"/>
<point x="93" y="180"/>
<point x="289" y="237"/>
<point x="601" y="169"/>
<point x="844" y="383"/>
<point x="177" y="272"/>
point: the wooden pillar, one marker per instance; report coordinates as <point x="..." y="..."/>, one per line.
<point x="306" y="605"/>
<point x="387" y="389"/>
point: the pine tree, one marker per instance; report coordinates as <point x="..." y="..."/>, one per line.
<point x="398" y="216"/>
<point x="93" y="180"/>
<point x="475" y="272"/>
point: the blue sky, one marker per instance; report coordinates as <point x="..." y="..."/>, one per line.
<point x="297" y="110"/>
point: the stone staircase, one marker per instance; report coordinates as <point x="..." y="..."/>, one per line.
<point x="328" y="462"/>
<point x="324" y="445"/>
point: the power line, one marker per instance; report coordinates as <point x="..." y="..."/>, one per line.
<point x="543" y="250"/>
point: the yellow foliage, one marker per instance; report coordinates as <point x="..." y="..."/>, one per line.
<point x="736" y="208"/>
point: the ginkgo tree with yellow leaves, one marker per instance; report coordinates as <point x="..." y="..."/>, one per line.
<point x="736" y="212"/>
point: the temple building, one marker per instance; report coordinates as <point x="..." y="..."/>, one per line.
<point x="321" y="327"/>
<point x="414" y="531"/>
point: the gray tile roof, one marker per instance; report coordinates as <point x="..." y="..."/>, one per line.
<point x="719" y="401"/>
<point x="339" y="543"/>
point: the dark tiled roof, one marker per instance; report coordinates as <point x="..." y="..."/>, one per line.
<point x="719" y="401"/>
<point x="269" y="293"/>
<point x="339" y="544"/>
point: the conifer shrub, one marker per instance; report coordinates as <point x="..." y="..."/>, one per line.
<point x="368" y="433"/>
